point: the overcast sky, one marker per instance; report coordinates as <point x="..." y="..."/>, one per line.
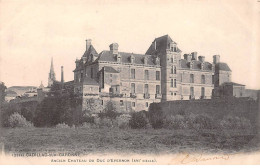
<point x="31" y="32"/>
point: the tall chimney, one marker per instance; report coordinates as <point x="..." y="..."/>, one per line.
<point x="114" y="48"/>
<point x="194" y="55"/>
<point x="62" y="77"/>
<point x="202" y="58"/>
<point x="216" y="59"/>
<point x="88" y="44"/>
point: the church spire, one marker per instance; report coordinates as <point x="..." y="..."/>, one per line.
<point x="51" y="78"/>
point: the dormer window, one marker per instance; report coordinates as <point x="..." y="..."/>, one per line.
<point x="145" y="60"/>
<point x="132" y="59"/>
<point x="118" y="58"/>
<point x="157" y="61"/>
<point x="173" y="47"/>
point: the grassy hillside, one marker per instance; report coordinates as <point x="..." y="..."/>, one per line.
<point x="144" y="141"/>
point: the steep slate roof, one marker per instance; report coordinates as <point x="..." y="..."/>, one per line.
<point x="125" y="57"/>
<point x="184" y="64"/>
<point x="222" y="66"/>
<point x="110" y="69"/>
<point x="89" y="81"/>
<point x="91" y="50"/>
<point x="232" y="83"/>
<point x="161" y="46"/>
<point x="86" y="54"/>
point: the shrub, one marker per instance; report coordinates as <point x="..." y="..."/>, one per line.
<point x="86" y="125"/>
<point x="123" y="121"/>
<point x="87" y="119"/>
<point x="17" y="120"/>
<point x="105" y="123"/>
<point x="203" y="122"/>
<point x="231" y="122"/>
<point x="156" y="116"/>
<point x="62" y="125"/>
<point x="175" y="122"/>
<point x="109" y="111"/>
<point x="138" y="120"/>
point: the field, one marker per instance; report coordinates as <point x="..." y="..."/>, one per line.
<point x="140" y="141"/>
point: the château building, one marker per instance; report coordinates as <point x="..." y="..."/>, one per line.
<point x="133" y="81"/>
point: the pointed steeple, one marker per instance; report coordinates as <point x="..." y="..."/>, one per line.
<point x="41" y="86"/>
<point x="52" y="77"/>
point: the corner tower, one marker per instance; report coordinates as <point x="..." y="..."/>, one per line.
<point x="169" y="53"/>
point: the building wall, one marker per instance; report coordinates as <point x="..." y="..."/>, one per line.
<point x="185" y="84"/>
<point x="216" y="108"/>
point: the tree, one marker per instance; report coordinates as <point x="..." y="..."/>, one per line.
<point x="109" y="111"/>
<point x="138" y="120"/>
<point x="2" y="92"/>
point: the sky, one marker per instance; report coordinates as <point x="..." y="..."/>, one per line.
<point x="32" y="32"/>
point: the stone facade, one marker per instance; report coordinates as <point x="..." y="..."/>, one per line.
<point x="133" y="81"/>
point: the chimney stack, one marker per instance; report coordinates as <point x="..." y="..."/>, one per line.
<point x="62" y="77"/>
<point x="187" y="57"/>
<point x="194" y="55"/>
<point x="216" y="59"/>
<point x="88" y="44"/>
<point x="202" y="58"/>
<point x="114" y="48"/>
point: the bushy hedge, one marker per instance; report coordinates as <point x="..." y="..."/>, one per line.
<point x="232" y="122"/>
<point x="62" y="125"/>
<point x="17" y="120"/>
<point x="138" y="120"/>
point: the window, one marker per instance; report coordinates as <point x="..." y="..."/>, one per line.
<point x="110" y="75"/>
<point x="175" y="94"/>
<point x="121" y="102"/>
<point x="132" y="88"/>
<point x="81" y="74"/>
<point x="147" y="104"/>
<point x="202" y="91"/>
<point x="132" y="73"/>
<point x="171" y="82"/>
<point x="203" y="79"/>
<point x="133" y="104"/>
<point x="157" y="75"/>
<point x="146" y="75"/>
<point x="192" y="92"/>
<point x="213" y="79"/>
<point x="91" y="72"/>
<point x="175" y="83"/>
<point x="110" y="80"/>
<point x="171" y="93"/>
<point x="157" y="89"/>
<point x="191" y="78"/>
<point x="174" y="69"/>
<point x="171" y="60"/>
<point x="146" y="89"/>
<point x="102" y="102"/>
